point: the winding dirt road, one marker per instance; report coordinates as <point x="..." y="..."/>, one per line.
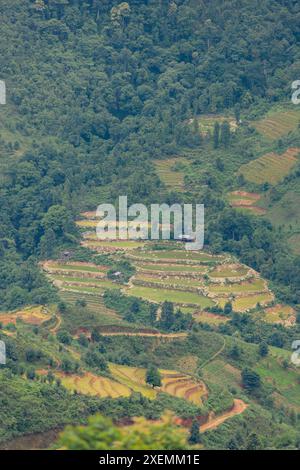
<point x="214" y="422"/>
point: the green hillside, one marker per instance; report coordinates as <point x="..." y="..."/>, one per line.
<point x="175" y="102"/>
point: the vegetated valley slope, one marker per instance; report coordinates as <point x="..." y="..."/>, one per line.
<point x="175" y="101"/>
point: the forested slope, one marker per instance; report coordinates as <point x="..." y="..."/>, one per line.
<point x="98" y="88"/>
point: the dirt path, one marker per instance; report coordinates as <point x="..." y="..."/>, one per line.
<point x="215" y="355"/>
<point x="151" y="335"/>
<point x="238" y="408"/>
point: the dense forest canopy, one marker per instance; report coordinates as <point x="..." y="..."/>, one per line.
<point x="96" y="89"/>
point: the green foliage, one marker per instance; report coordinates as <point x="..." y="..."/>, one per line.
<point x="153" y="376"/>
<point x="251" y="380"/>
<point x="195" y="437"/>
<point x="101" y="434"/>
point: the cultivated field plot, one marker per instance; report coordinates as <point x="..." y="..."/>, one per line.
<point x="172" y="269"/>
<point x="283" y="314"/>
<point x="278" y="123"/>
<point x="83" y="285"/>
<point x="183" y="386"/>
<point x="229" y="271"/>
<point x="167" y="281"/>
<point x="270" y="168"/>
<point x="31" y="315"/>
<point x="91" y="384"/>
<point x="81" y="277"/>
<point x="72" y="268"/>
<point x="94" y="305"/>
<point x="221" y="373"/>
<point x="173" y="383"/>
<point x="171" y="295"/>
<point x="246" y="201"/>
<point x="171" y="172"/>
<point x="176" y="256"/>
<point x="209" y="318"/>
<point x="251" y="286"/>
<point x="113" y="245"/>
<point x="248" y="302"/>
<point x="207" y="122"/>
<point x="133" y="378"/>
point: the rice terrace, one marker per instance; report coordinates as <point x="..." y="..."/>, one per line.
<point x="270" y="168"/>
<point x="278" y="123"/>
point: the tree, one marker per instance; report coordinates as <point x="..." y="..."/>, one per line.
<point x="237" y="113"/>
<point x="153" y="377"/>
<point x="250" y="379"/>
<point x="167" y="315"/>
<point x="263" y="349"/>
<point x="216" y="135"/>
<point x="195" y="437"/>
<point x="95" y="336"/>
<point x="225" y="134"/>
<point x="83" y="341"/>
<point x="228" y="308"/>
<point x="58" y="220"/>
<point x="253" y="442"/>
<point x="64" y="337"/>
<point x="235" y="352"/>
<point x="30" y="374"/>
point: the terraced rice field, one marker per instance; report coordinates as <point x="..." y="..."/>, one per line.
<point x="88" y="269"/>
<point x="283" y="314"/>
<point x="134" y="378"/>
<point x="31" y="315"/>
<point x="172" y="269"/>
<point x="229" y="271"/>
<point x="80" y="282"/>
<point x="166" y="281"/>
<point x="270" y="168"/>
<point x="103" y="245"/>
<point x="79" y="277"/>
<point x="94" y="305"/>
<point x="174" y="383"/>
<point x="246" y="201"/>
<point x="248" y="302"/>
<point x="277" y="124"/>
<point x="181" y="256"/>
<point x="253" y="285"/>
<point x="171" y="172"/>
<point x="183" y="386"/>
<point x="91" y="384"/>
<point x="170" y="295"/>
